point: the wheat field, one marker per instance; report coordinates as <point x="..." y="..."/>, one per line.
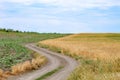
<point x="102" y="46"/>
<point x="98" y="54"/>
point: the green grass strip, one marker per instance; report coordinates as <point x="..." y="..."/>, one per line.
<point x="49" y="73"/>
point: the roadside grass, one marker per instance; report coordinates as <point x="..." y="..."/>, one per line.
<point x="49" y="73"/>
<point x="33" y="64"/>
<point x="14" y="57"/>
<point x="98" y="54"/>
<point x="96" y="70"/>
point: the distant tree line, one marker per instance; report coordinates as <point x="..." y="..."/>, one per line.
<point x="9" y="30"/>
<point x="17" y="31"/>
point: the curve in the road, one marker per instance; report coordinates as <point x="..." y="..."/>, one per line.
<point x="54" y="61"/>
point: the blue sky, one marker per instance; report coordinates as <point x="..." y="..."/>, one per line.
<point x="63" y="16"/>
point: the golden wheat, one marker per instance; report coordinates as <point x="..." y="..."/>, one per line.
<point x="97" y="47"/>
<point x="99" y="54"/>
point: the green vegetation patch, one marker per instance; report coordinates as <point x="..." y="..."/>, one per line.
<point x="11" y="54"/>
<point x="49" y="73"/>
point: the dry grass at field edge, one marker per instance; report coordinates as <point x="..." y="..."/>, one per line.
<point x="33" y="64"/>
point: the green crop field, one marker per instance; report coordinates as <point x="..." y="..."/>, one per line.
<point x="12" y="50"/>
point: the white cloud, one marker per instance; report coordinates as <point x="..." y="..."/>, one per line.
<point x="55" y="18"/>
<point x="72" y="4"/>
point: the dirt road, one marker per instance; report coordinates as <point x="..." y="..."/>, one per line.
<point x="55" y="60"/>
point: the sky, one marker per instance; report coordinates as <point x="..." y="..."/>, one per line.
<point x="61" y="16"/>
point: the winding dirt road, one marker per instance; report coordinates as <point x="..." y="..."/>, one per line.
<point x="55" y="60"/>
